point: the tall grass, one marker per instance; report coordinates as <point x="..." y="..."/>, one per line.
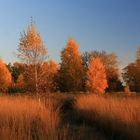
<point x="55" y="118"/>
<point x="28" y="118"/>
<point x="114" y="116"/>
<point x="25" y="118"/>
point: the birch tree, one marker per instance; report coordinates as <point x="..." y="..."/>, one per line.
<point x="32" y="52"/>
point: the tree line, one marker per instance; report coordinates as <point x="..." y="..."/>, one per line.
<point x="95" y="71"/>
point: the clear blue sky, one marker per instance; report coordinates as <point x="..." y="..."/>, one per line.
<point x="110" y="25"/>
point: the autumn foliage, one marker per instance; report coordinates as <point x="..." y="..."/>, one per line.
<point x="32" y="52"/>
<point x="5" y="77"/>
<point x="75" y="72"/>
<point x="31" y="49"/>
<point x="49" y="70"/>
<point x="110" y="63"/>
<point x="71" y="68"/>
<point x="131" y="73"/>
<point x="96" y="77"/>
<point x="20" y="81"/>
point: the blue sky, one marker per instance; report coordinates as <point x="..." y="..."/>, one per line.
<point x="110" y="25"/>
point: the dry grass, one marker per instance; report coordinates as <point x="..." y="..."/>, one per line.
<point x="114" y="116"/>
<point x="25" y="118"/>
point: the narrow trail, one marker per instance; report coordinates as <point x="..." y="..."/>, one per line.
<point x="85" y="128"/>
<point x="78" y="125"/>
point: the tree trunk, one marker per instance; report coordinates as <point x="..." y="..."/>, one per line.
<point x="36" y="80"/>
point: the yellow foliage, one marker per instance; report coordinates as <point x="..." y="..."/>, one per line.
<point x="31" y="48"/>
<point x="32" y="52"/>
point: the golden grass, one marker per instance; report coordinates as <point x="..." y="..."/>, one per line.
<point x="112" y="115"/>
<point x="25" y="118"/>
